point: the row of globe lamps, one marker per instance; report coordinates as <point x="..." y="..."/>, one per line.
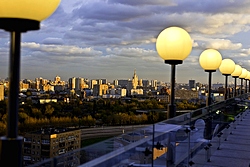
<point x="174" y="44"/>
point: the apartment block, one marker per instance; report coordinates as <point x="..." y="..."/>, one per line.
<point x="47" y="143"/>
<point x="1" y="92"/>
<point x="100" y="90"/>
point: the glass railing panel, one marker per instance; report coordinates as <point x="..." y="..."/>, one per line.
<point x="152" y="145"/>
<point x="183" y="119"/>
<point x="177" y="140"/>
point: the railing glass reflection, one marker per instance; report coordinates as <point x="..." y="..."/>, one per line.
<point x="175" y="141"/>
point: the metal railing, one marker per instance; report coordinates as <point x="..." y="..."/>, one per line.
<point x="173" y="142"/>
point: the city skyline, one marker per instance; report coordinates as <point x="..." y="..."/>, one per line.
<point x="109" y="39"/>
<point x="231" y="82"/>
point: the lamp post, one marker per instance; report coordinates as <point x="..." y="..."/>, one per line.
<point x="246" y="79"/>
<point x="242" y="76"/>
<point x="173" y="45"/>
<point x="226" y="68"/>
<point x="237" y="72"/>
<point x="17" y="17"/>
<point x="210" y="60"/>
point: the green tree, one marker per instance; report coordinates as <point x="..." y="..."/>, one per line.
<point x="22" y="117"/>
<point x="48" y="110"/>
<point x="36" y="113"/>
<point x="2" y="128"/>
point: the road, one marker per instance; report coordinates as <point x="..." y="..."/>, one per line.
<point x="89" y="133"/>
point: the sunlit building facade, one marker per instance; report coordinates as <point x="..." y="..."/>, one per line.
<point x="51" y="142"/>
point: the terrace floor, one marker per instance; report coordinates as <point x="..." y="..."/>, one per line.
<point x="232" y="149"/>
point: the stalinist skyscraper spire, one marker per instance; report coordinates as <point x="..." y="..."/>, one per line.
<point x="135" y="80"/>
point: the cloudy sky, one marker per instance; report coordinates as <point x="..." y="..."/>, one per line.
<point x="110" y="38"/>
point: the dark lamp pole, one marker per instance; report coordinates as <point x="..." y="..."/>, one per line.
<point x="16" y="21"/>
<point x="209" y="99"/>
<point x="225" y="91"/>
<point x="236" y="73"/>
<point x="246" y="79"/>
<point x="227" y="67"/>
<point x="173" y="45"/>
<point x="172" y="106"/>
<point x="210" y="60"/>
<point x="249" y="85"/>
<point x="242" y="76"/>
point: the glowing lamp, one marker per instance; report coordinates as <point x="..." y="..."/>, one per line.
<point x="173" y="45"/>
<point x="24" y="15"/>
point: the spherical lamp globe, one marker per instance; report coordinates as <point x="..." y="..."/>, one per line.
<point x="237" y="71"/>
<point x="24" y="15"/>
<point x="227" y="66"/>
<point x="243" y="74"/>
<point x="174" y="45"/>
<point x="210" y="60"/>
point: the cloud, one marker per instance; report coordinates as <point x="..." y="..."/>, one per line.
<point x="68" y="50"/>
<point x="220" y="44"/>
<point x="131" y="52"/>
<point x="144" y="2"/>
<point x="55" y="41"/>
<point x="108" y="38"/>
<point x="245" y="52"/>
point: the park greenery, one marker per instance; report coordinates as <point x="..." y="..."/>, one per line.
<point x="98" y="112"/>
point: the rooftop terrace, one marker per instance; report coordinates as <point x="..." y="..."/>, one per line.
<point x="211" y="136"/>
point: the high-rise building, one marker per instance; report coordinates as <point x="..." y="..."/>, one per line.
<point x="116" y="82"/>
<point x="57" y="79"/>
<point x="140" y="83"/>
<point x="23" y="86"/>
<point x="104" y="81"/>
<point x="191" y="84"/>
<point x="153" y="83"/>
<point x="92" y="83"/>
<point x="72" y="83"/>
<point x="145" y="83"/>
<point x="78" y="82"/>
<point x="123" y="82"/>
<point x="1" y="92"/>
<point x="51" y="142"/>
<point x="100" y="90"/>
<point x="134" y="80"/>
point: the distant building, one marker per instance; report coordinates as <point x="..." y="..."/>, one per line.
<point x="47" y="88"/>
<point x="59" y="88"/>
<point x="153" y="83"/>
<point x="145" y="83"/>
<point x="135" y="80"/>
<point x="57" y="79"/>
<point x="92" y="83"/>
<point x="72" y="83"/>
<point x="133" y="87"/>
<point x="104" y="81"/>
<point x="100" y="90"/>
<point x="186" y="94"/>
<point x="116" y="82"/>
<point x="58" y="82"/>
<point x="78" y="83"/>
<point x="48" y="143"/>
<point x="136" y="92"/>
<point x="123" y="82"/>
<point x="43" y="101"/>
<point x="1" y="92"/>
<point x="217" y="86"/>
<point x="192" y="84"/>
<point x="122" y="92"/>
